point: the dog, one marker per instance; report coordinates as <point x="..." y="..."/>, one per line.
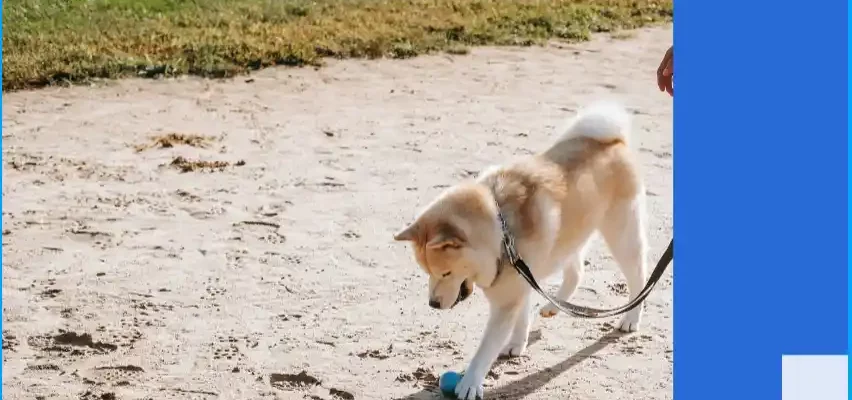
<point x="553" y="203"/>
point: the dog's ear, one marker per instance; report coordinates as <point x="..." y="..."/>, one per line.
<point x="407" y="234"/>
<point x="447" y="236"/>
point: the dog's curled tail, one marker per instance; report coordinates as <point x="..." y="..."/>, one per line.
<point x="603" y="121"/>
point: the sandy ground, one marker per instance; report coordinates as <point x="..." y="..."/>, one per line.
<point x="125" y="278"/>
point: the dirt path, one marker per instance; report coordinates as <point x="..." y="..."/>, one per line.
<point x="125" y="278"/>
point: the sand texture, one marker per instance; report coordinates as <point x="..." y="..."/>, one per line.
<point x="194" y="239"/>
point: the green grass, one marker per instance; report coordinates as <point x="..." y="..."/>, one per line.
<point x="60" y="41"/>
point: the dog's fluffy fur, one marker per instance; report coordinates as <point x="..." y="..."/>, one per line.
<point x="553" y="203"/>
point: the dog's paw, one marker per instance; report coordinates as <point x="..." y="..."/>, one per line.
<point x="514" y="349"/>
<point x="629" y="323"/>
<point x="470" y="388"/>
<point x="548" y="311"/>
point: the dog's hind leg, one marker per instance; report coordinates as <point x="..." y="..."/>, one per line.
<point x="571" y="277"/>
<point x="520" y="333"/>
<point x="623" y="229"/>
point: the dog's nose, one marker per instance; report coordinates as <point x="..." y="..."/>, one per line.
<point x="434" y="303"/>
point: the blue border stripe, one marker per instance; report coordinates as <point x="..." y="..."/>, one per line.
<point x="760" y="209"/>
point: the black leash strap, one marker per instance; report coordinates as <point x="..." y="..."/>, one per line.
<point x="583" y="311"/>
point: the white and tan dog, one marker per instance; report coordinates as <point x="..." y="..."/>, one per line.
<point x="553" y="203"/>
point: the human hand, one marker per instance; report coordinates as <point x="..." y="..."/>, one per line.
<point x="665" y="73"/>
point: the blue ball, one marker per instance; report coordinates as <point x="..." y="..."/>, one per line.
<point x="448" y="382"/>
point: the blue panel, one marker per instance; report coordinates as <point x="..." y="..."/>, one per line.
<point x="760" y="192"/>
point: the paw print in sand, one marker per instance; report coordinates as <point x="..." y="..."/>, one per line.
<point x="113" y="375"/>
<point x="213" y="291"/>
<point x="227" y="352"/>
<point x="230" y="349"/>
<point x="125" y="336"/>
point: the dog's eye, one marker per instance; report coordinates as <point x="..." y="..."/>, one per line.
<point x="446" y="274"/>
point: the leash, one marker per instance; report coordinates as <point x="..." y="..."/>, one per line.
<point x="583" y="311"/>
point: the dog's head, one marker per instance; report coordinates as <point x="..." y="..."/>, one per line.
<point x="456" y="242"/>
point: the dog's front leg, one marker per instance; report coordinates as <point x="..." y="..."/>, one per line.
<point x="500" y="325"/>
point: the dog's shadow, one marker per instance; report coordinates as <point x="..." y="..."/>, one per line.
<point x="524" y="387"/>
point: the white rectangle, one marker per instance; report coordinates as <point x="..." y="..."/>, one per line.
<point x="814" y="377"/>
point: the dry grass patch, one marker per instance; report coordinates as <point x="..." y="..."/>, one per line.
<point x="65" y="41"/>
<point x="176" y="139"/>
<point x="186" y="165"/>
